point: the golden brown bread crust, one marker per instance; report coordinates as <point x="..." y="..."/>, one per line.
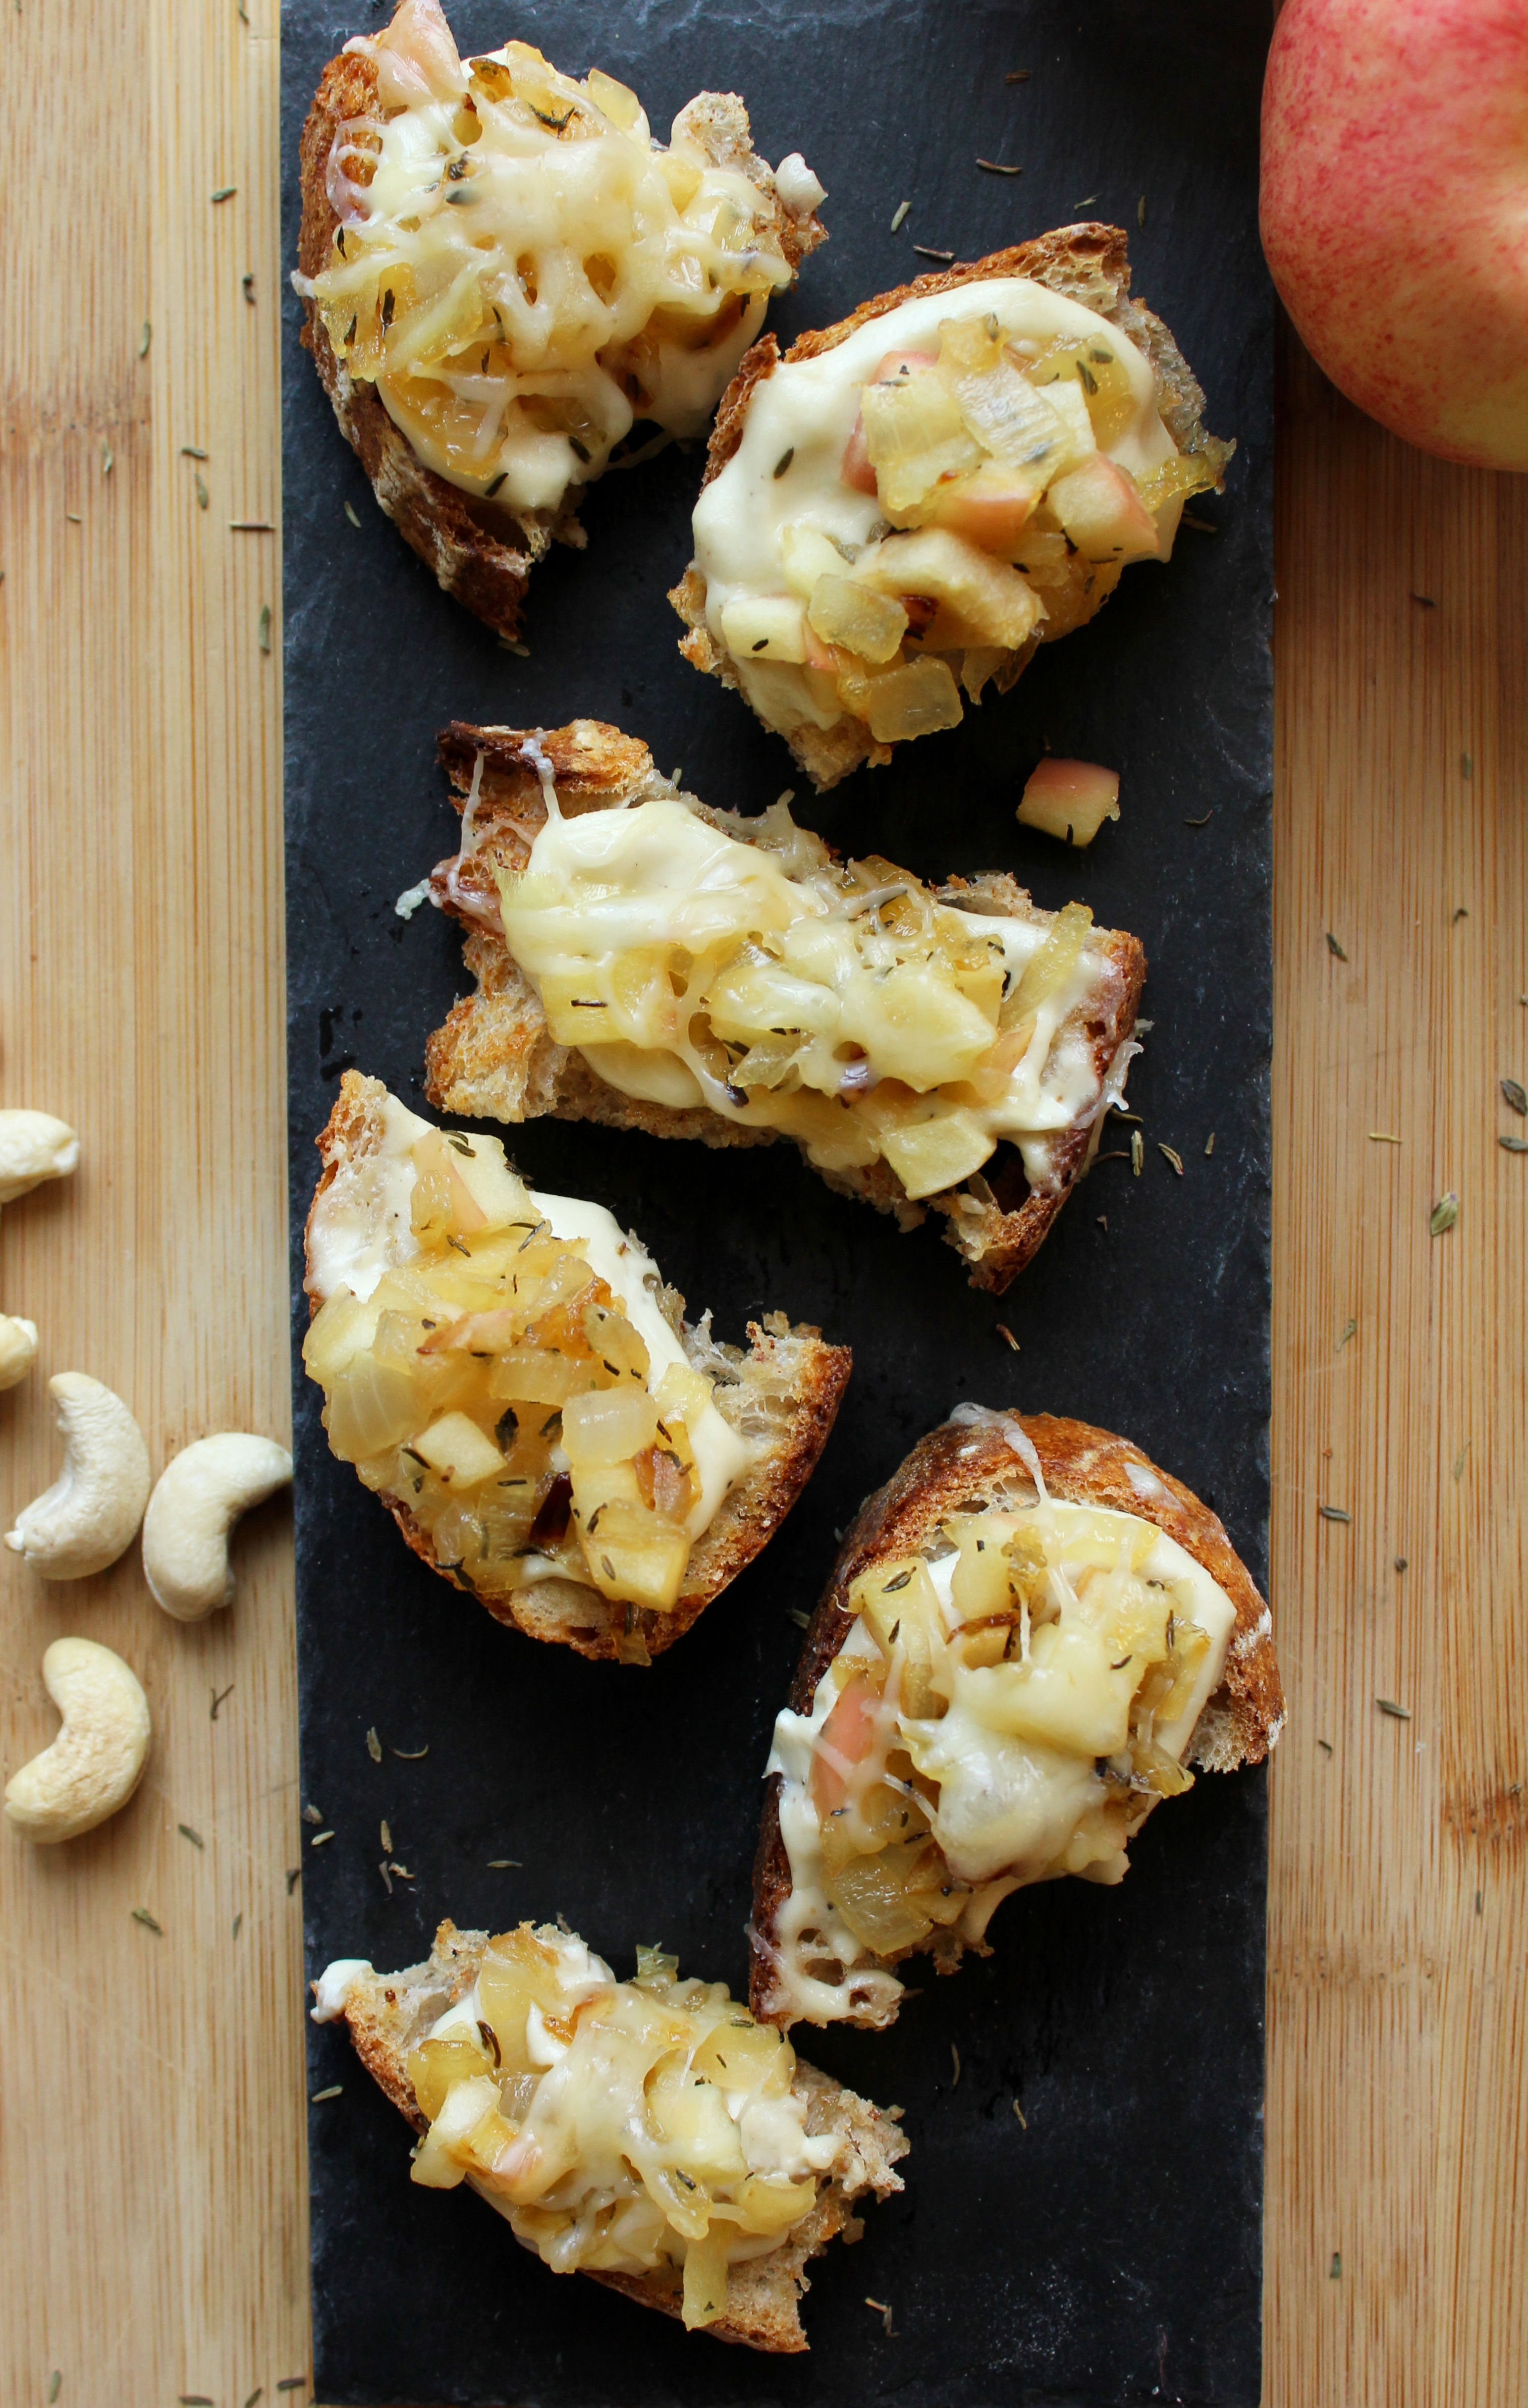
<point x="384" y="2011"/>
<point x="789" y="1381"/>
<point x="479" y="551"/>
<point x="1089" y="262"/>
<point x="494" y="1055"/>
<point x="958" y="1462"/>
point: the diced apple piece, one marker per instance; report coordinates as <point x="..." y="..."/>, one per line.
<point x="636" y="1555"/>
<point x="930" y="1155"/>
<point x="1098" y="368"/>
<point x="991" y="601"/>
<point x="455" y="1447"/>
<point x="1070" y="799"/>
<point x="868" y="623"/>
<point x="762" y="628"/>
<point x="536" y="1375"/>
<point x="987" y="508"/>
<point x="1070" y="403"/>
<point x="1000" y="408"/>
<point x="916" y="438"/>
<point x="807" y="553"/>
<point x="1102" y="511"/>
<point x="854" y="468"/>
<point x="496" y="1187"/>
<point x="917" y="1027"/>
<point x="895" y="704"/>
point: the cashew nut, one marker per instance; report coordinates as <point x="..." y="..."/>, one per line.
<point x="199" y="1498"/>
<point x="94" y="1765"/>
<point x="94" y="1508"/>
<point x="34" y="1146"/>
<point x="17" y="1347"/>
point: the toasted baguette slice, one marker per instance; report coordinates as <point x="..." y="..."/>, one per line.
<point x="388" y="2013"/>
<point x="1085" y="264"/>
<point x="479" y="549"/>
<point x="495" y="1057"/>
<point x="807" y="1963"/>
<point x="781" y="1398"/>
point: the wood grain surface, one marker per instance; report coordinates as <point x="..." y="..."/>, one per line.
<point x="152" y="2185"/>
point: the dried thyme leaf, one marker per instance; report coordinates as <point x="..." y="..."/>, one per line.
<point x="1350" y="1330"/>
<point x="332" y="2092"/>
<point x="1397" y="1713"/>
<point x="902" y="208"/>
<point x="195" y="1837"/>
<point x="926" y="250"/>
<point x="1006" y="1335"/>
<point x="502" y="1864"/>
<point x="224" y="193"/>
<point x="1336" y="2264"/>
<point x="804" y="1620"/>
<point x="995" y="167"/>
<point x="106" y="459"/>
<point x="1333" y="947"/>
<point x="387" y="1838"/>
<point x="1334" y="1513"/>
<point x="1382" y="1137"/>
<point x="1513" y="1144"/>
<point x="292" y="2382"/>
<point x="141" y="1915"/>
<point x="1515" y="1096"/>
<point x="145" y="339"/>
<point x="373" y="1745"/>
<point x="218" y="1697"/>
<point x="1327" y="1744"/>
<point x="320" y="1839"/>
<point x="257" y="2394"/>
<point x="201" y="491"/>
<point x="264" y="626"/>
<point x="1140" y="213"/>
<point x="1173" y="1156"/>
<point x="411" y="1755"/>
<point x="1443" y="1214"/>
<point x="955" y="2057"/>
<point x="54" y="2382"/>
<point x="351" y="515"/>
<point x="238" y="1922"/>
<point x="1209" y="1142"/>
<point x="1459" y="1460"/>
<point x="1137" y="1153"/>
<point x="294" y="1874"/>
<point x="312" y="1815"/>
<point x="1018" y="75"/>
<point x="1024" y="2119"/>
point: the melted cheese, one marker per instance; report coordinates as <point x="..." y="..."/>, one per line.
<point x="524" y="271"/>
<point x="1017" y="1752"/>
<point x="664" y="949"/>
<point x="361" y="1228"/>
<point x="803" y="415"/>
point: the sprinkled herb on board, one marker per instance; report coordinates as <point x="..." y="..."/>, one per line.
<point x="1201" y="527"/>
<point x="320" y="1839"/>
<point x="373" y="1745"/>
<point x="995" y="167"/>
<point x="106" y="459"/>
<point x="955" y="2060"/>
<point x="1204" y="822"/>
<point x="202" y="496"/>
<point x="238" y="1922"/>
<point x="1333" y="947"/>
<point x="1427" y="600"/>
<point x="350" y="512"/>
<point x="1513" y="1144"/>
<point x="1137" y="1152"/>
<point x="926" y="250"/>
<point x="502" y="1864"/>
<point x="1336" y="2264"/>
<point x="1514" y="1097"/>
<point x="248" y="283"/>
<point x="387" y="1836"/>
<point x="1350" y="1330"/>
<point x="1016" y="75"/>
<point x="883" y="2311"/>
<point x="332" y="2092"/>
<point x="1327" y="1744"/>
<point x="1382" y="1137"/>
<point x="903" y="207"/>
<point x="411" y="1755"/>
<point x="1462" y="911"/>
<point x="1209" y="1142"/>
<point x="1334" y="1513"/>
<point x="797" y="1616"/>
<point x="224" y="193"/>
<point x="195" y="1837"/>
<point x="1024" y="2119"/>
<point x="218" y="1697"/>
<point x="294" y="1874"/>
<point x="1397" y="1713"/>
<point x="312" y="1815"/>
<point x="141" y="1915"/>
<point x="250" y="527"/>
<point x="1401" y="1563"/>
<point x="1444" y="1213"/>
<point x="1172" y="1155"/>
<point x="54" y="2382"/>
<point x="1140" y="213"/>
<point x="1006" y="1335"/>
<point x="145" y="339"/>
<point x="1459" y="1460"/>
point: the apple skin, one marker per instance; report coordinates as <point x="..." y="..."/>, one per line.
<point x="1394" y="211"/>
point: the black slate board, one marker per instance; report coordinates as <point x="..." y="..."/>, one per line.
<point x="1107" y="2250"/>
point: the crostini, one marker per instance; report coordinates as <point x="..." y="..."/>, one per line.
<point x="507" y="1372"/>
<point x="1030" y="1633"/>
<point x="649" y="2133"/>
<point x="646" y="961"/>
<point x="910" y="501"/>
<point x="503" y="272"/>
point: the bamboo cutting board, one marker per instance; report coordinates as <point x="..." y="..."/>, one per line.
<point x="152" y="2184"/>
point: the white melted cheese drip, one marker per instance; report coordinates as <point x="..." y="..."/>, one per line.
<point x="589" y="2094"/>
<point x="1008" y="1808"/>
<point x="806" y="411"/>
<point x="604" y="885"/>
<point x="361" y="1228"/>
<point x="550" y="260"/>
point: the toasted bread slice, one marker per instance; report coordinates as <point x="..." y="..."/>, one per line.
<point x="482" y="547"/>
<point x="388" y="2013"/>
<point x="495" y="1057"/>
<point x="1084" y="263"/>
<point x="807" y="1962"/>
<point x="779" y="1399"/>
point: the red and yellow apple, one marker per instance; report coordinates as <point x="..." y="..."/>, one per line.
<point x="1394" y="211"/>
